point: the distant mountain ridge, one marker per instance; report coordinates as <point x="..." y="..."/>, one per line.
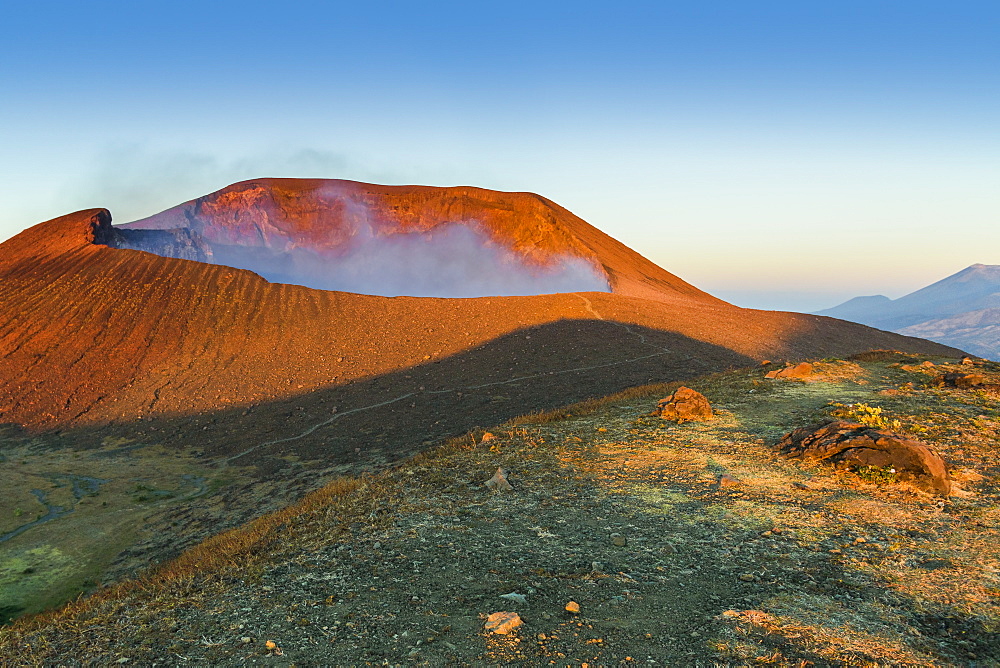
<point x="962" y="310"/>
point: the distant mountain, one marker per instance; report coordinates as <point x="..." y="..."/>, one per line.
<point x="962" y="310"/>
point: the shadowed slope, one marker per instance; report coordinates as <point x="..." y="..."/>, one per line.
<point x="91" y="334"/>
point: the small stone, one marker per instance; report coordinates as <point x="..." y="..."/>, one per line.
<point x="727" y="480"/>
<point x="747" y="577"/>
<point x="246" y="640"/>
<point x="618" y="540"/>
<point x="503" y="622"/>
<point x="515" y="597"/>
<point x="499" y="482"/>
<point x="573" y="607"/>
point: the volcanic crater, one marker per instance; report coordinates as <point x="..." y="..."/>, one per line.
<point x="339" y="236"/>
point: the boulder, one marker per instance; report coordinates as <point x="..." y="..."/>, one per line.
<point x="853" y="445"/>
<point x="958" y="379"/>
<point x="684" y="405"/>
<point x="801" y="370"/>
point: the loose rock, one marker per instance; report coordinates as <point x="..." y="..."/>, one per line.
<point x="853" y="445"/>
<point x="727" y="480"/>
<point x="801" y="370"/>
<point x="959" y="380"/>
<point x="503" y="622"/>
<point x="684" y="405"/>
<point x="499" y="482"/>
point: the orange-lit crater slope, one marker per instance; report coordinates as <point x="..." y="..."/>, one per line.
<point x="93" y="333"/>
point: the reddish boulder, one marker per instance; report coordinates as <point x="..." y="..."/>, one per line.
<point x="853" y="445"/>
<point x="958" y="379"/>
<point x="801" y="370"/>
<point x="684" y="405"/>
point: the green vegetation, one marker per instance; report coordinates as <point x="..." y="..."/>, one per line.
<point x="879" y="475"/>
<point x="871" y="416"/>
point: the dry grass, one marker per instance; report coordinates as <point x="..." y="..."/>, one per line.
<point x="808" y="565"/>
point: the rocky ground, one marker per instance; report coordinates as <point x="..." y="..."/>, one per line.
<point x="616" y="545"/>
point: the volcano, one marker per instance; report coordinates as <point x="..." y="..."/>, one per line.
<point x="190" y="395"/>
<point x="105" y="325"/>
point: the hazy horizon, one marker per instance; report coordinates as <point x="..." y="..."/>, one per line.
<point x="774" y="154"/>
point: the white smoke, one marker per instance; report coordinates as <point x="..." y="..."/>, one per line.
<point x="449" y="260"/>
<point x="452" y="260"/>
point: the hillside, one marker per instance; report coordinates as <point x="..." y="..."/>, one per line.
<point x="679" y="544"/>
<point x="195" y="396"/>
<point x="962" y="310"/>
<point x="355" y="237"/>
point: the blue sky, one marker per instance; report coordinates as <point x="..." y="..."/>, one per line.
<point x="778" y="154"/>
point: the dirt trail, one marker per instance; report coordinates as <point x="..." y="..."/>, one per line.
<point x="464" y="389"/>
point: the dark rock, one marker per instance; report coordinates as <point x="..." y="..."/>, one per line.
<point x="801" y="370"/>
<point x="853" y="445"/>
<point x="684" y="405"/>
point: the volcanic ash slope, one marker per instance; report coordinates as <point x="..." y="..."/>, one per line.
<point x="96" y="332"/>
